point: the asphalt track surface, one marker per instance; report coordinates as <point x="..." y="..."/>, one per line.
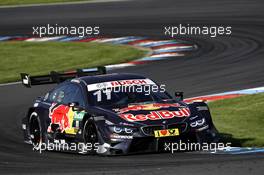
<point x="221" y="64"/>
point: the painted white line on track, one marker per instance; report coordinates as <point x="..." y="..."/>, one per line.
<point x="9" y="84"/>
<point x="242" y="92"/>
<point x="59" y="3"/>
<point x="122" y="65"/>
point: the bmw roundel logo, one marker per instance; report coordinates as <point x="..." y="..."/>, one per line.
<point x="101" y="85"/>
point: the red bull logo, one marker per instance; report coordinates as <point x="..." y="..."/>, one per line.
<point x="154" y="106"/>
<point x="157" y="115"/>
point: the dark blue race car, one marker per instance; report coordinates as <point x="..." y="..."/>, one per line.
<point x="109" y="114"/>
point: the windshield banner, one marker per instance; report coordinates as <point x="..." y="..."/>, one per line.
<point x="113" y="84"/>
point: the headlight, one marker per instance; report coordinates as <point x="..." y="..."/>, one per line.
<point x="121" y="129"/>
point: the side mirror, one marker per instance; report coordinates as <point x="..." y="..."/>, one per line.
<point x="179" y="96"/>
<point x="75" y="106"/>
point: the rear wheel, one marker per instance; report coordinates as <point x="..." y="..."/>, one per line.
<point x="37" y="136"/>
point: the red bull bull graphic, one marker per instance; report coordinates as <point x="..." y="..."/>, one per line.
<point x="65" y="117"/>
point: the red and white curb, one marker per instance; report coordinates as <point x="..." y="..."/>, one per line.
<point x="226" y="95"/>
<point x="159" y="49"/>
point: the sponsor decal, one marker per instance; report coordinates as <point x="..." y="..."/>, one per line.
<point x="166" y="132"/>
<point x="116" y="136"/>
<point x="113" y="84"/>
<point x="126" y="124"/>
<point x="156" y="115"/>
<point x="131" y="82"/>
<point x="150" y="107"/>
<point x="65" y="117"/>
<point x="202" y="128"/>
<point x="79" y="115"/>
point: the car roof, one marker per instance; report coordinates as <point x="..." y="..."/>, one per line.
<point x="110" y="77"/>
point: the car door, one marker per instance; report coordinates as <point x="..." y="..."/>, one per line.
<point x="62" y="115"/>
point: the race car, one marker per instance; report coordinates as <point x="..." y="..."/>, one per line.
<point x="112" y="114"/>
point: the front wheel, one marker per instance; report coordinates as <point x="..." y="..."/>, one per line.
<point x="90" y="137"/>
<point x="210" y="135"/>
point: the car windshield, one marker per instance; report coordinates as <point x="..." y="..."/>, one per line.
<point x="115" y="98"/>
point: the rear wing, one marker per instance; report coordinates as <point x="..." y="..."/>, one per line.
<point x="57" y="77"/>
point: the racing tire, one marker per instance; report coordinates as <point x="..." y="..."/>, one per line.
<point x="90" y="136"/>
<point x="37" y="136"/>
<point x="209" y="135"/>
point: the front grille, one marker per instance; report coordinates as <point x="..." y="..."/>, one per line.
<point x="181" y="126"/>
<point x="149" y="130"/>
